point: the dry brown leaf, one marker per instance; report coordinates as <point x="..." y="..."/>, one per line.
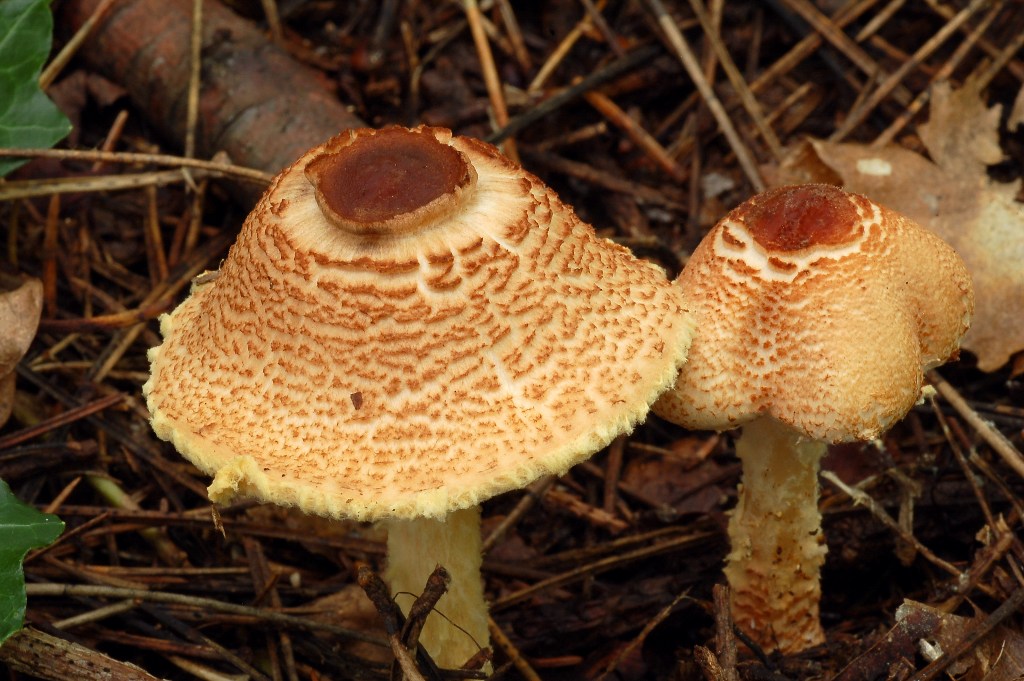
<point x="21" y="303"/>
<point x="352" y="609"/>
<point x="999" y="656"/>
<point x="953" y="196"/>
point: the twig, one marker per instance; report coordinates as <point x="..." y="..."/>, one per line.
<point x="986" y="75"/>
<point x="124" y="157"/>
<point x="534" y="492"/>
<point x="597" y="567"/>
<point x="51" y="241"/>
<point x="943" y="73"/>
<point x="63" y="419"/>
<point x="689" y="61"/>
<point x="391" y="616"/>
<point x="609" y="35"/>
<point x="198" y="604"/>
<point x="831" y="32"/>
<point x="725" y="637"/>
<point x="502" y="640"/>
<point x="106" y="322"/>
<point x="515" y="35"/>
<point x="41" y="655"/>
<point x="613" y="471"/>
<point x="639" y="192"/>
<point x="96" y="615"/>
<point x="995" y="439"/>
<point x="636" y="132"/>
<point x="738" y="83"/>
<point x="196" y="638"/>
<point x="857" y="115"/>
<point x="579" y="508"/>
<point x="860" y="497"/>
<point x="561" y="50"/>
<point x="566" y="95"/>
<point x="491" y="79"/>
<point x="121" y="436"/>
<point x="67" y="52"/>
<point x="436" y="586"/>
<point x="642" y="636"/>
<point x="273" y="21"/>
<point x="24" y="189"/>
<point x="195" y="63"/>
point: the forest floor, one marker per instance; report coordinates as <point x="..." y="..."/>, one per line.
<point x="628" y="111"/>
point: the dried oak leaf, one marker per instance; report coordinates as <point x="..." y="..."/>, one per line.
<point x="21" y="303"/>
<point x="952" y="195"/>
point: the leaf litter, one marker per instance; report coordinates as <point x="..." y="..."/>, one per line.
<point x="952" y="194"/>
<point x="612" y="565"/>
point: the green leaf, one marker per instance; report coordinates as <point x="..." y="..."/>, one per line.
<point x="27" y="117"/>
<point x="21" y="528"/>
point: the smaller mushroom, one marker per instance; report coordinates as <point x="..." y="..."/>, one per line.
<point x="819" y="313"/>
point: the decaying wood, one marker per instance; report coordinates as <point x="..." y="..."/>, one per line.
<point x="41" y="655"/>
<point x="256" y="103"/>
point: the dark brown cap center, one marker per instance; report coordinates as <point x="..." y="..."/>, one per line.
<point x="794" y="218"/>
<point x="386" y="174"/>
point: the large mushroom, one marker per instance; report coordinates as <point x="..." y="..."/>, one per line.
<point x="407" y="325"/>
<point x="818" y="313"/>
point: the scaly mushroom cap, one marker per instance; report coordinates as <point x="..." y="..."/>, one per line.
<point x="819" y="308"/>
<point x="409" y="324"/>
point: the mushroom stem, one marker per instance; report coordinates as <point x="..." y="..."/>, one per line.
<point x="778" y="546"/>
<point x="415" y="548"/>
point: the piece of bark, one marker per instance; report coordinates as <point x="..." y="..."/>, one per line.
<point x="43" y="656"/>
<point x="256" y="103"/>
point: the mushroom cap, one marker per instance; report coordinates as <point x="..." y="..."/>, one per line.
<point x="819" y="308"/>
<point x="368" y="355"/>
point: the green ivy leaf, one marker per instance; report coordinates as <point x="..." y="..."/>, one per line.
<point x="27" y="117"/>
<point x="21" y="528"/>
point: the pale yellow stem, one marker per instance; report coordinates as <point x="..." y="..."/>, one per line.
<point x="415" y="548"/>
<point x="774" y="568"/>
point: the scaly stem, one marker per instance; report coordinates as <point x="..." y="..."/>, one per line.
<point x="415" y="548"/>
<point x="777" y="542"/>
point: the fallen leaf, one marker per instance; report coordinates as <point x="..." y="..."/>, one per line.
<point x="352" y="609"/>
<point x="21" y="303"/>
<point x="952" y="195"/>
<point x="999" y="656"/>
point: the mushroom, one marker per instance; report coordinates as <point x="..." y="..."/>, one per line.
<point x="819" y="312"/>
<point x="407" y="325"/>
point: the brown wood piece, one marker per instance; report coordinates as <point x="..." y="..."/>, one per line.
<point x="43" y="656"/>
<point x="256" y="103"/>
